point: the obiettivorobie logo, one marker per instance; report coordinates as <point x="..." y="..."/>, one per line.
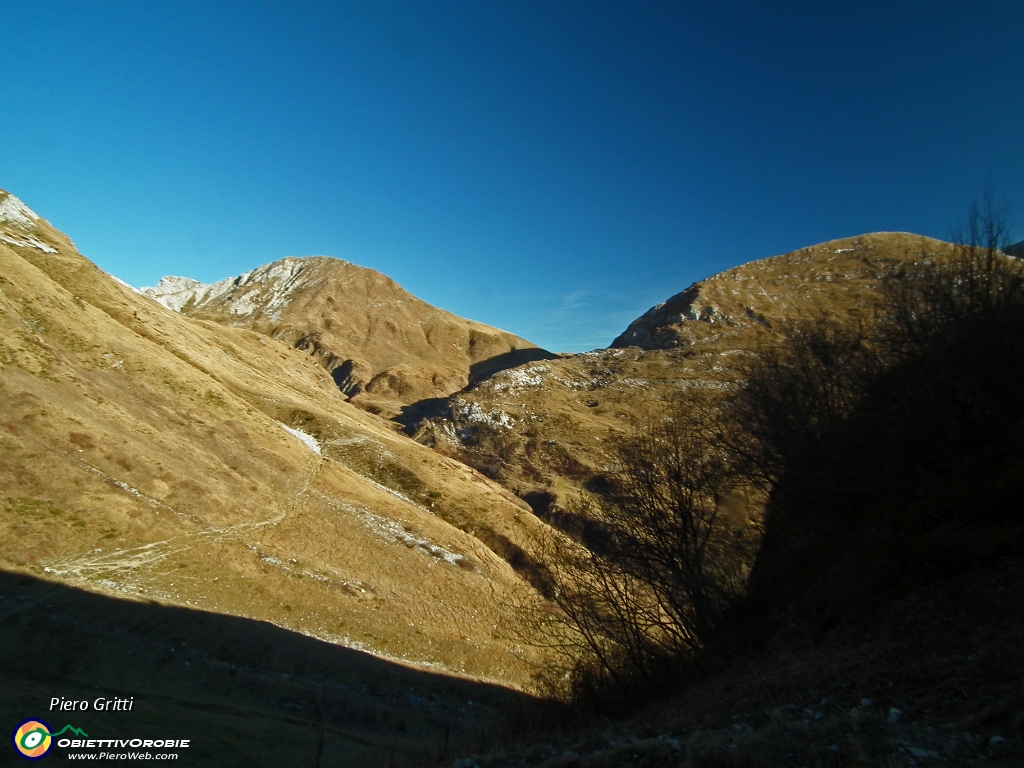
<point x="32" y="739"/>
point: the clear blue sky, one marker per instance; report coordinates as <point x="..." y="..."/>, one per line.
<point x="552" y="168"/>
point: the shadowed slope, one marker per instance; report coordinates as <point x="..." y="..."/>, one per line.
<point x="244" y="692"/>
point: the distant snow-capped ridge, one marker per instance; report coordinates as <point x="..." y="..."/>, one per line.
<point x="171" y="284"/>
<point x="174" y="292"/>
<point x="265" y="288"/>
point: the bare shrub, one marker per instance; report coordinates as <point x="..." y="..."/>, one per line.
<point x="879" y="446"/>
<point x="663" y="561"/>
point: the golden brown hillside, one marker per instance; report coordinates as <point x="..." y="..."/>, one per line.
<point x="545" y="427"/>
<point x="384" y="347"/>
<point x="157" y="457"/>
<point x="880" y="622"/>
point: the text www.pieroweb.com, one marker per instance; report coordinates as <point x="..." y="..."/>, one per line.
<point x="122" y="755"/>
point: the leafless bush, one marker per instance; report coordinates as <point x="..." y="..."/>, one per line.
<point x="796" y="395"/>
<point x="863" y="438"/>
<point x="978" y="283"/>
<point x="665" y="557"/>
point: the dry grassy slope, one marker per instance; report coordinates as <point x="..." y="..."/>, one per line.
<point x="548" y="424"/>
<point x="142" y="455"/>
<point x="384" y="346"/>
<point x="838" y="278"/>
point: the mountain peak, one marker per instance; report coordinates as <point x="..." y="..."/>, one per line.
<point x="381" y="344"/>
<point x="272" y="283"/>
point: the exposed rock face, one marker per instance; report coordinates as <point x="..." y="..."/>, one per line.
<point x="657" y="328"/>
<point x="18" y="224"/>
<point x="384" y="347"/>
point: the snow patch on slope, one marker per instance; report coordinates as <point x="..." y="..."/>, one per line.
<point x="472" y="412"/>
<point x="308" y="440"/>
<point x="516" y="379"/>
<point x="393" y="531"/>
<point x="394" y="493"/>
<point x="117" y="279"/>
<point x="27" y="241"/>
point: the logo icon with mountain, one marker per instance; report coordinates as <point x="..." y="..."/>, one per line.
<point x="32" y="738"/>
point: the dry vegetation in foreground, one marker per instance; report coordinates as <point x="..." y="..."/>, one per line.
<point x="245" y="692"/>
<point x="887" y="587"/>
<point x="930" y="678"/>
